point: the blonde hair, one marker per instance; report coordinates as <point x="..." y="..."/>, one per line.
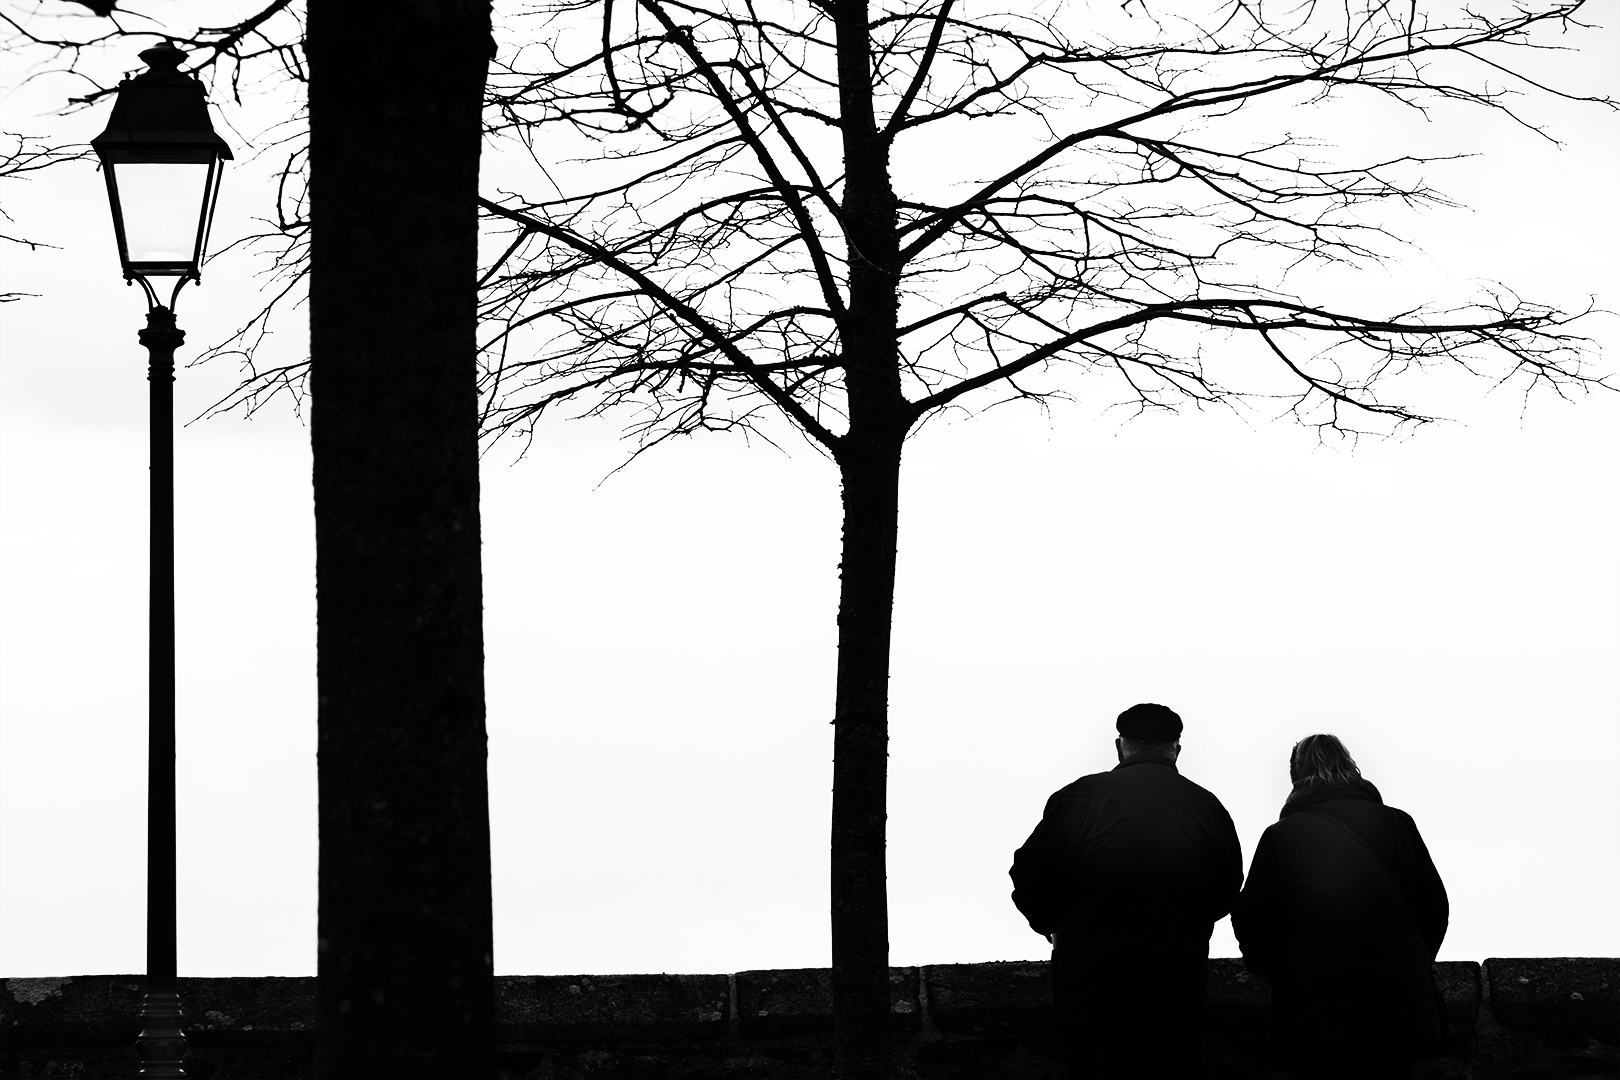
<point x="1319" y="761"/>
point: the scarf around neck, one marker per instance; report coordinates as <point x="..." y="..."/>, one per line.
<point x="1306" y="794"/>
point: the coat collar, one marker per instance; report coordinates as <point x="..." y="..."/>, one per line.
<point x="1148" y="757"/>
<point x="1305" y="800"/>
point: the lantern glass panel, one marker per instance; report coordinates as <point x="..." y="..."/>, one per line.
<point x="162" y="204"/>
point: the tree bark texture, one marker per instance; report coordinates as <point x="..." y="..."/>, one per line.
<point x="869" y="465"/>
<point x="859" y="883"/>
<point x="405" y="981"/>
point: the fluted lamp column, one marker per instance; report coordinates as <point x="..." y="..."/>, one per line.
<point x="162" y="162"/>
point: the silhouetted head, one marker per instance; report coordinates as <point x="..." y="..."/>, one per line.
<point x="1148" y="729"/>
<point x="1321" y="761"/>
<point x="1318" y="763"/>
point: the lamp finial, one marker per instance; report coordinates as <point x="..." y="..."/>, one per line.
<point x="164" y="57"/>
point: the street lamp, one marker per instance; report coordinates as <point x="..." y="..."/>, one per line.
<point x="162" y="161"/>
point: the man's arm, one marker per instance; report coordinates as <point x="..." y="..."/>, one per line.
<point x="1035" y="875"/>
<point x="1231" y="865"/>
<point x="1254" y="917"/>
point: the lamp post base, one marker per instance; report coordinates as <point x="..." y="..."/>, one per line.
<point x="161" y="1045"/>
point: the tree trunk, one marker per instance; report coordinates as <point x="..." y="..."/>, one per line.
<point x="860" y="899"/>
<point x="869" y="465"/>
<point x="405" y="982"/>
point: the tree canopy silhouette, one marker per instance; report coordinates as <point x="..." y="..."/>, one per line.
<point x="853" y="216"/>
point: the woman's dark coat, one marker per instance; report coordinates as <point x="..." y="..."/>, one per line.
<point x="1346" y="950"/>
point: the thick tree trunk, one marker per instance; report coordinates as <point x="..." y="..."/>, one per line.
<point x="869" y="465"/>
<point x="405" y="982"/>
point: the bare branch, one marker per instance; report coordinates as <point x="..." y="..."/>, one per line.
<point x="713" y="334"/>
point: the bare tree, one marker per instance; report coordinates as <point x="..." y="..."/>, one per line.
<point x="854" y="216"/>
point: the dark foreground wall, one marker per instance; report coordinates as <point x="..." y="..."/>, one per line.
<point x="1509" y="1018"/>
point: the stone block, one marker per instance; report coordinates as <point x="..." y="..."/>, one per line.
<point x="1460" y="985"/>
<point x="1231" y="987"/>
<point x="94" y="1020"/>
<point x="798" y="1001"/>
<point x="1560" y="997"/>
<point x="1007" y="997"/>
<point x="230" y="1008"/>
<point x="1237" y="1019"/>
<point x="1005" y="1058"/>
<point x="81" y="1010"/>
<point x="249" y="1027"/>
<point x="546" y="1009"/>
<point x="1502" y="1053"/>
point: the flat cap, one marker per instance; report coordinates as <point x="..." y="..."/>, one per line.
<point x="1149" y="723"/>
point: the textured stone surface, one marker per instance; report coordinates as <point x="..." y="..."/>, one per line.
<point x="1231" y="986"/>
<point x="549" y="1008"/>
<point x="1237" y="1021"/>
<point x="1535" y="1018"/>
<point x="227" y="1007"/>
<point x="1557" y="994"/>
<point x="84" y="1010"/>
<point x="1551" y="1017"/>
<point x="1460" y="985"/>
<point x="798" y="1001"/>
<point x="86" y="1026"/>
<point x="990" y="999"/>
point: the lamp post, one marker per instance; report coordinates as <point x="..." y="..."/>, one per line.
<point x="162" y="161"/>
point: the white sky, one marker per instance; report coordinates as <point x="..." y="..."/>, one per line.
<point x="661" y="648"/>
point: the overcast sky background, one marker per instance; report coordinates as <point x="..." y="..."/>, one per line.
<point x="661" y="646"/>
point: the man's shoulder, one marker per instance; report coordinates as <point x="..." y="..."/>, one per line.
<point x="1179" y="795"/>
<point x="1078" y="790"/>
<point x="1213" y="808"/>
<point x="1136" y="782"/>
<point x="1078" y="787"/>
<point x="1201" y="791"/>
<point x="1161" y="774"/>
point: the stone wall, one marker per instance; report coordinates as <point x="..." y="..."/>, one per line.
<point x="1509" y="1018"/>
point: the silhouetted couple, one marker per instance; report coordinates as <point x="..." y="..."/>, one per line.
<point x="1342" y="914"/>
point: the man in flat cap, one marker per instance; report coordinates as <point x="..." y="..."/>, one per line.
<point x="1126" y="874"/>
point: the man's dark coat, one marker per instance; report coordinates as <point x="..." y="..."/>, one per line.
<point x="1346" y="950"/>
<point x="1130" y="869"/>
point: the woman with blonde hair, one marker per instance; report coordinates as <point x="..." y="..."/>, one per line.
<point x="1342" y="915"/>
